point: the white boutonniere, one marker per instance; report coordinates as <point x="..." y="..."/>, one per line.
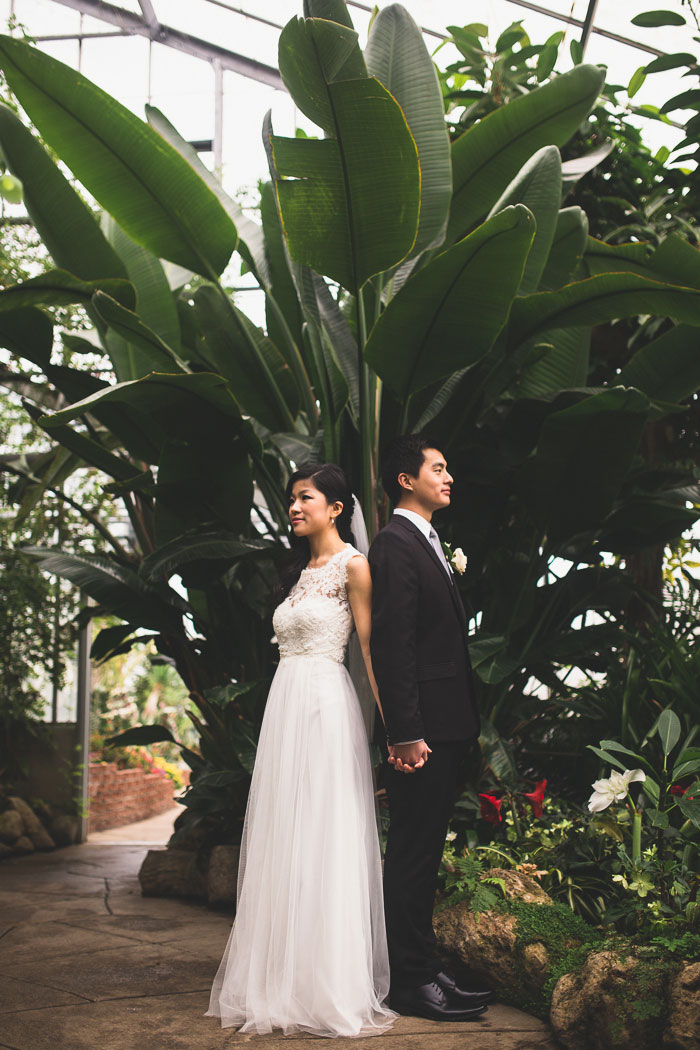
<point x="457" y="559"/>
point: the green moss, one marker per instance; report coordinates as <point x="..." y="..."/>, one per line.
<point x="569" y="940"/>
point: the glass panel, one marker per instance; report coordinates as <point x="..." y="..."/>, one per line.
<point x="43" y="17"/>
<point x="105" y="61"/>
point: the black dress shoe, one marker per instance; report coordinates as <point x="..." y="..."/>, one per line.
<point x="461" y="995"/>
<point x="433" y="1002"/>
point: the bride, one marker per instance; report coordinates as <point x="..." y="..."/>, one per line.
<point x="307" y="952"/>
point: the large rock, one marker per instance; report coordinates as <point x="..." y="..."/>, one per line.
<point x="486" y="942"/>
<point x="22" y="846"/>
<point x="11" y="826"/>
<point x="222" y="876"/>
<point x="610" y="1004"/>
<point x="33" y="827"/>
<point x="65" y="829"/>
<point x="520" y="887"/>
<point x="683" y="1029"/>
<point x="172" y="873"/>
<point x="29" y="817"/>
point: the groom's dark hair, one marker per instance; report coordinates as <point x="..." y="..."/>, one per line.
<point x="403" y="455"/>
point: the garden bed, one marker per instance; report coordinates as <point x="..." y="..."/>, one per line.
<point x="597" y="992"/>
<point x="123" y="796"/>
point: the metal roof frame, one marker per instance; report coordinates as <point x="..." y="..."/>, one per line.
<point x="128" y="23"/>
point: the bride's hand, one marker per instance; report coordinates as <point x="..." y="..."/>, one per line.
<point x="407" y="758"/>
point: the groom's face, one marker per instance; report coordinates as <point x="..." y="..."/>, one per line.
<point x="431" y="487"/>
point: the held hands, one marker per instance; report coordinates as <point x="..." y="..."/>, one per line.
<point x="407" y="758"/>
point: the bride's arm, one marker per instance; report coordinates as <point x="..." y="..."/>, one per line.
<point x="359" y="585"/>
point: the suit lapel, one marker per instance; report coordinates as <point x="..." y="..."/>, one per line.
<point x="427" y="546"/>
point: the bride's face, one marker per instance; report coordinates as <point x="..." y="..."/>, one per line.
<point x="309" y="510"/>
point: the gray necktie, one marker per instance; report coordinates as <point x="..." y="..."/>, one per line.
<point x="437" y="547"/>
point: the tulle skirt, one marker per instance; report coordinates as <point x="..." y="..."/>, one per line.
<point x="307" y="952"/>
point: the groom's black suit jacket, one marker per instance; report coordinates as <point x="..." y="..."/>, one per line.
<point x="419" y="640"/>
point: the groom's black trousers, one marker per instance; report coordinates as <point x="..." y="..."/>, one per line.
<point x="420" y="805"/>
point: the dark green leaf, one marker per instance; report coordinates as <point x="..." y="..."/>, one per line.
<point x="64" y="222"/>
<point x="396" y="54"/>
<point x="141" y="736"/>
<point x="663" y="62"/>
<point x="153" y="193"/>
<point x="669" y="729"/>
<point x="489" y="155"/>
<point x="420" y="337"/>
<point x="59" y="288"/>
<point x="652" y="19"/>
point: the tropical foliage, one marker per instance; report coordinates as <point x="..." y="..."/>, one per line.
<point x="411" y="281"/>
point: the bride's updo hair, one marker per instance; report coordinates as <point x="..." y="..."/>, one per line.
<point x="332" y="481"/>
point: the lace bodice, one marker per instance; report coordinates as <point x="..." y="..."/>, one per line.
<point x="315" y="618"/>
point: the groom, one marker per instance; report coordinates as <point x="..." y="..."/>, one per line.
<point x="421" y="664"/>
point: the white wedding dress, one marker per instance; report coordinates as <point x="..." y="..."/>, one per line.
<point x="307" y="952"/>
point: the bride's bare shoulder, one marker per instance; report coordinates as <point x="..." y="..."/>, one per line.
<point x="357" y="569"/>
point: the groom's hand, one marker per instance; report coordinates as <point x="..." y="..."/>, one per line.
<point x="407" y="758"/>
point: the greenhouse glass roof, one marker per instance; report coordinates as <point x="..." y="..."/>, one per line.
<point x="210" y="65"/>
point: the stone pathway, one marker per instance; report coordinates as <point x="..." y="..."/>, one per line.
<point x="87" y="963"/>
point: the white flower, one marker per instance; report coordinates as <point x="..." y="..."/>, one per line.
<point x="450" y="836"/>
<point x="459" y="560"/>
<point x="605" y="792"/>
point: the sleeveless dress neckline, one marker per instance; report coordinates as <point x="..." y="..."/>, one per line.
<point x="317" y="568"/>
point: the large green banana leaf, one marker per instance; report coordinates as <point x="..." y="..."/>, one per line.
<point x="675" y="260"/>
<point x="582" y="458"/>
<point x="558" y="362"/>
<point x="151" y="395"/>
<point x="89" y="451"/>
<point x="231" y="345"/>
<point x="250" y="236"/>
<point x="165" y="405"/>
<point x="117" y="588"/>
<point x="59" y="288"/>
<point x="155" y="303"/>
<point x="397" y="56"/>
<point x="155" y="307"/>
<point x="447" y="316"/>
<point x="607" y="297"/>
<point x="27" y="333"/>
<point x="64" y="222"/>
<point x="668" y="368"/>
<point x="349" y="203"/>
<point x="215" y="546"/>
<point x="568" y="246"/>
<point x="153" y="194"/>
<point x="135" y="432"/>
<point x="283" y="311"/>
<point x="204" y="480"/>
<point x="600" y="257"/>
<point x="645" y="520"/>
<point x="538" y="186"/>
<point x="143" y="348"/>
<point x="487" y="156"/>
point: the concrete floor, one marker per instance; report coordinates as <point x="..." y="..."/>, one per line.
<point x="87" y="963"/>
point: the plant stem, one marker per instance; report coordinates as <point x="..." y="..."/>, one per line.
<point x="516" y="819"/>
<point x="636" y="836"/>
<point x="366" y="380"/>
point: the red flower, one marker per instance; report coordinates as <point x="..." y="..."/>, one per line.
<point x="491" y="809"/>
<point x="536" y="797"/>
<point x="679" y="792"/>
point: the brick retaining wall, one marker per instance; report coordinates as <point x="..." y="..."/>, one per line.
<point x="123" y="796"/>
